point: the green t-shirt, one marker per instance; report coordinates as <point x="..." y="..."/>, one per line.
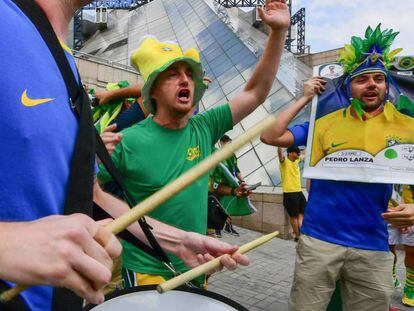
<point x="150" y="156"/>
<point x="231" y="164"/>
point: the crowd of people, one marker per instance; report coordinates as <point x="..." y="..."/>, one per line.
<point x="74" y="251"/>
<point x="51" y="238"/>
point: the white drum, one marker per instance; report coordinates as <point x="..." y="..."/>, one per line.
<point x="146" y="298"/>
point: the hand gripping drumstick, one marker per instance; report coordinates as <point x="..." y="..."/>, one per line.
<point x="149" y="204"/>
<point x="210" y="265"/>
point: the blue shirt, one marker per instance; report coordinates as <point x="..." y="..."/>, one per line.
<point x="129" y="117"/>
<point x="345" y="213"/>
<point x="37" y="138"/>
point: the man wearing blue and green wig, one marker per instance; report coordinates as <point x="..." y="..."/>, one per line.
<point x="157" y="150"/>
<point x="344" y="236"/>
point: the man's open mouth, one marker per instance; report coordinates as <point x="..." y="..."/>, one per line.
<point x="370" y="95"/>
<point x="184" y="95"/>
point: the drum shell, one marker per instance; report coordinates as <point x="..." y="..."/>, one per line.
<point x="146" y="298"/>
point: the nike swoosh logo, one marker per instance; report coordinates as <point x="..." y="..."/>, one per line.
<point x="30" y="102"/>
<point x="337" y="145"/>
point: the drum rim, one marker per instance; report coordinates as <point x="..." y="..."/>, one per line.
<point x="183" y="288"/>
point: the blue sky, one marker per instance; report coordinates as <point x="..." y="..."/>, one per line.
<point x="331" y="23"/>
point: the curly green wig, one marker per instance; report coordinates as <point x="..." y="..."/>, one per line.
<point x="369" y="54"/>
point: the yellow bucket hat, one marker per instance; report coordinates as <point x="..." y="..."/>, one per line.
<point x="153" y="57"/>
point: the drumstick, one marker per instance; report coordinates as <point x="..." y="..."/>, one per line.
<point x="211" y="265"/>
<point x="394" y="202"/>
<point x="159" y="197"/>
<point x="9" y="294"/>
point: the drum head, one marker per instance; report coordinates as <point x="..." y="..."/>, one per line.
<point x="146" y="298"/>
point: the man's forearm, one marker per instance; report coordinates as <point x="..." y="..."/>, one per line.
<point x="133" y="91"/>
<point x="193" y="248"/>
<point x="266" y="69"/>
<point x="7" y="231"/>
<point x="239" y="176"/>
<point x="168" y="236"/>
<point x="116" y="207"/>
<point x="223" y="190"/>
<point x="280" y="154"/>
<point x="272" y="135"/>
<point x="258" y="87"/>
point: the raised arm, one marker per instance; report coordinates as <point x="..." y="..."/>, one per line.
<point x="280" y="154"/>
<point x="277" y="17"/>
<point x="105" y="97"/>
<point x="279" y="135"/>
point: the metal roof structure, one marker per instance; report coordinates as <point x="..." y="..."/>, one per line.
<point x="229" y="50"/>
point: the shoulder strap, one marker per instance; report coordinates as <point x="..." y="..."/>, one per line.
<point x="105" y="158"/>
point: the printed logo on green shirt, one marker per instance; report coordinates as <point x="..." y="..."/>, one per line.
<point x="333" y="145"/>
<point x="193" y="153"/>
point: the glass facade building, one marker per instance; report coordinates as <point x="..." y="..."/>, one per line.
<point x="229" y="54"/>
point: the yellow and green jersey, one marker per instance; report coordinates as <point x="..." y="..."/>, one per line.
<point x="216" y="175"/>
<point x="407" y="194"/>
<point x="343" y="212"/>
<point x="290" y="173"/>
<point x="341" y="130"/>
<point x="231" y="164"/>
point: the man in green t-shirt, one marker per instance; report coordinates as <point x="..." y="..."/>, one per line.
<point x="159" y="149"/>
<point x="231" y="164"/>
<point x="218" y="187"/>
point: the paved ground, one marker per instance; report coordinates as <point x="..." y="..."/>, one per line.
<point x="265" y="284"/>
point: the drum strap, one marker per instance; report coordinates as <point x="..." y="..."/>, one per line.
<point x="80" y="191"/>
